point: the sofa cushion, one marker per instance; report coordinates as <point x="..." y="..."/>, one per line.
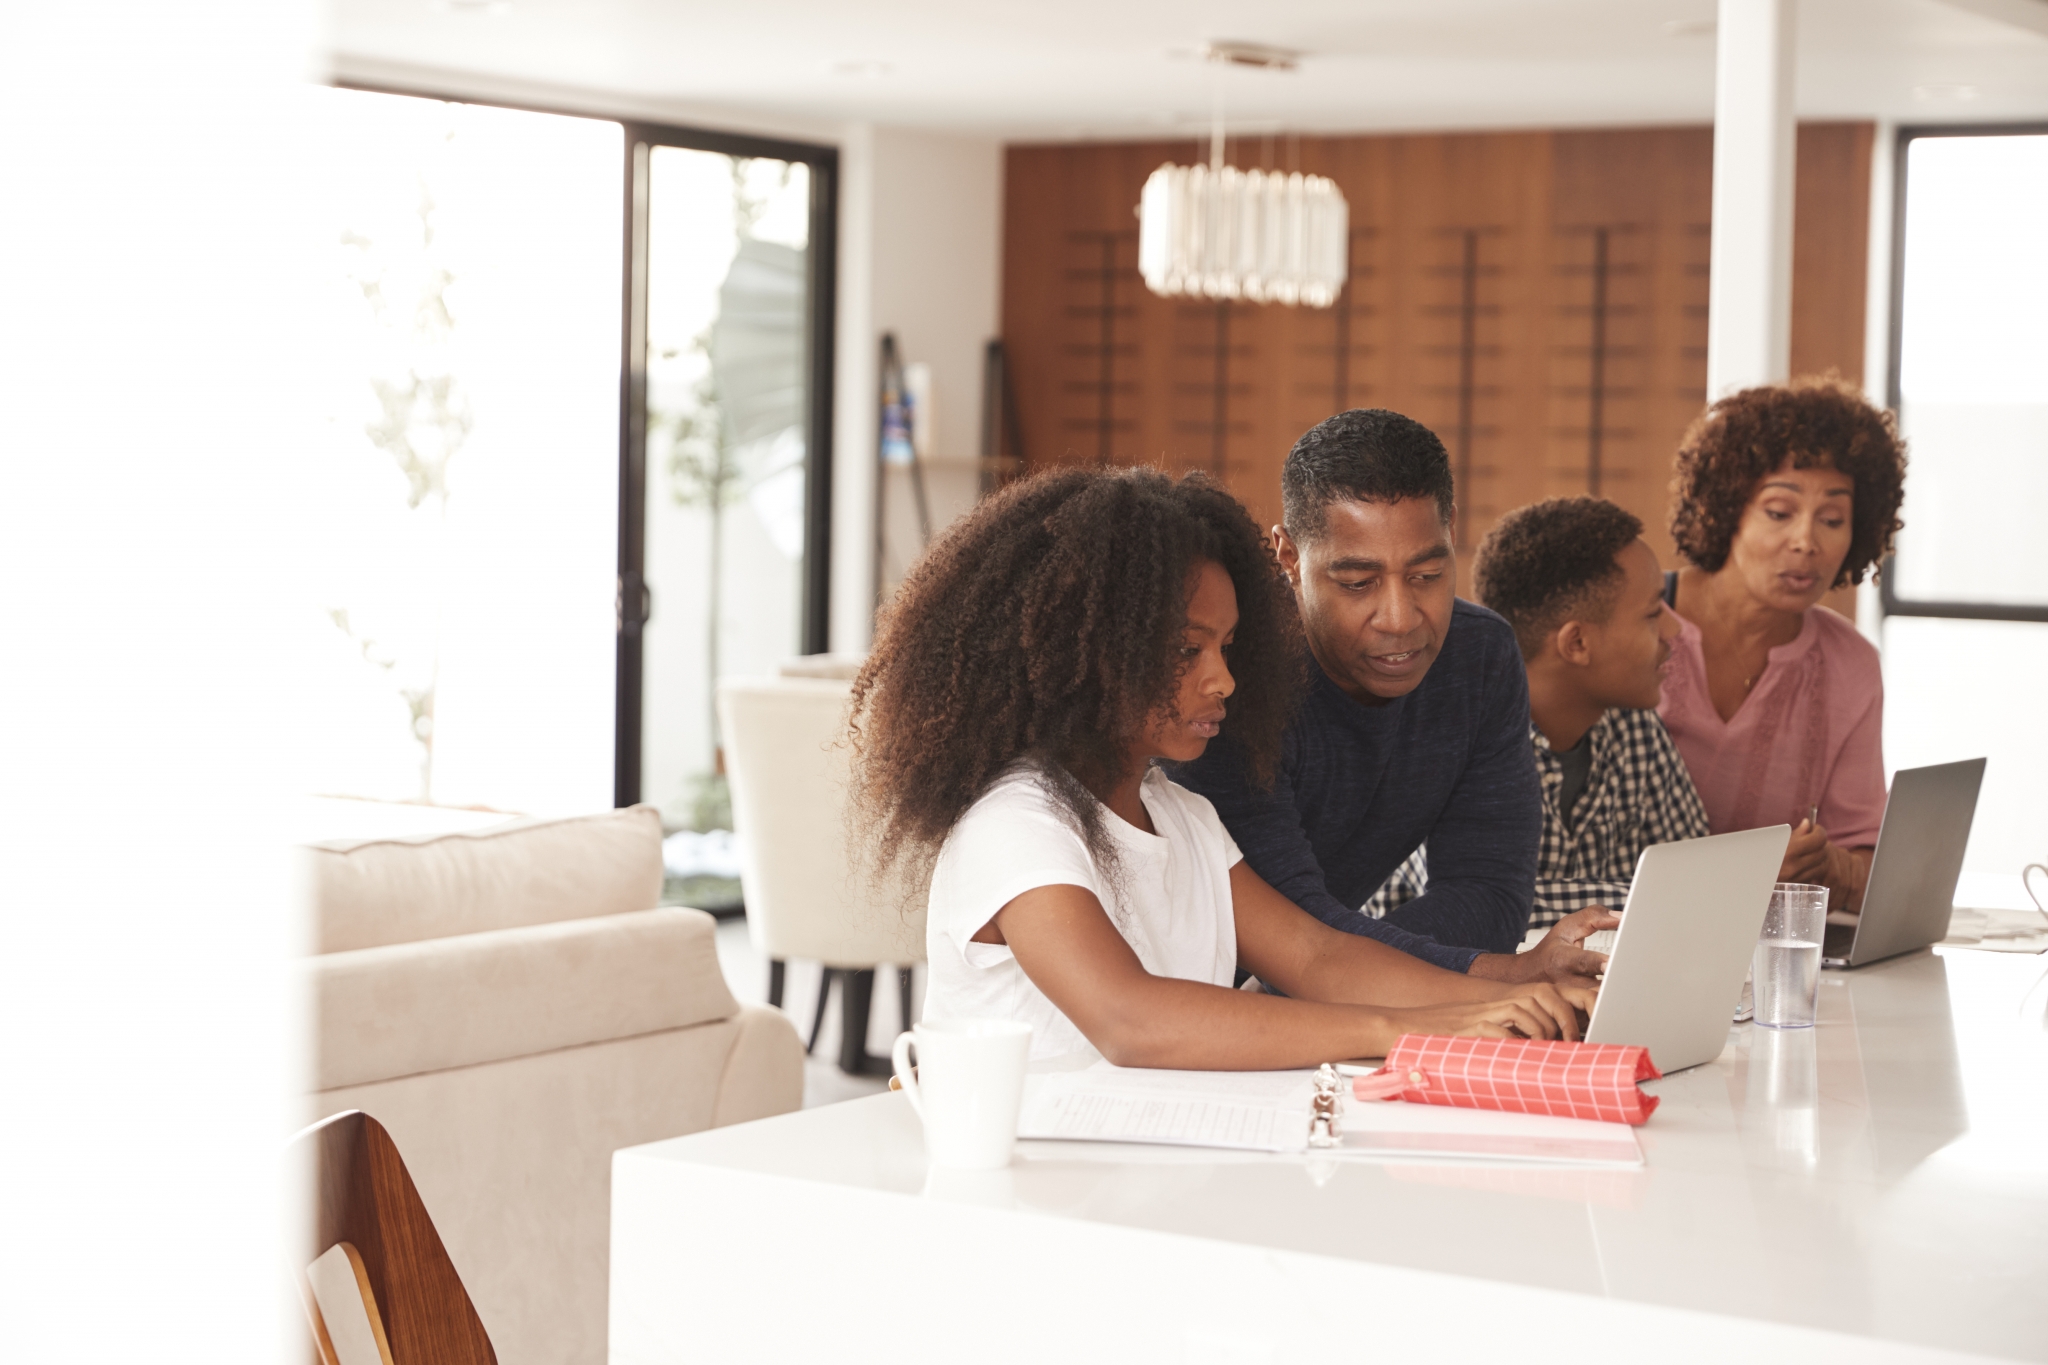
<point x="367" y="893"/>
<point x="407" y="1008"/>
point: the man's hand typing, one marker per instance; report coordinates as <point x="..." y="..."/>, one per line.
<point x="1560" y="958"/>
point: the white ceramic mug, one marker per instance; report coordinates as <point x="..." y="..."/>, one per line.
<point x="967" y="1087"/>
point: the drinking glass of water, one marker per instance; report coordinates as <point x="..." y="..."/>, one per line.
<point x="1786" y="968"/>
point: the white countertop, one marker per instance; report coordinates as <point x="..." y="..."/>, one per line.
<point x="1884" y="1175"/>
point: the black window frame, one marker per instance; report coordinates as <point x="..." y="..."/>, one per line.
<point x="634" y="606"/>
<point x="1889" y="600"/>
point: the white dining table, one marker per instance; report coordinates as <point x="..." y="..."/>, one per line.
<point x="1871" y="1189"/>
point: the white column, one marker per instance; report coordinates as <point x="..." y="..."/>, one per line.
<point x="1749" y="299"/>
<point x="856" y="423"/>
<point x="1878" y="301"/>
<point x="1877" y="329"/>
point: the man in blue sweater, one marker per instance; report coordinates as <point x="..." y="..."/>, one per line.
<point x="1415" y="725"/>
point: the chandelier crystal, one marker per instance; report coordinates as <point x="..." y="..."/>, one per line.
<point x="1265" y="236"/>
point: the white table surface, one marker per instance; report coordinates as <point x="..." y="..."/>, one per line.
<point x="1875" y="1188"/>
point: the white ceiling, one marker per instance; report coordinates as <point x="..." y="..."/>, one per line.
<point x="1060" y="69"/>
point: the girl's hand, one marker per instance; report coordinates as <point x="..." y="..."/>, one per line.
<point x="1528" y="1010"/>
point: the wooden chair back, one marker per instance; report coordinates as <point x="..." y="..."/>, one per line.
<point x="362" y="1195"/>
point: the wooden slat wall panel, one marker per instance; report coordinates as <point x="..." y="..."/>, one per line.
<point x="1651" y="191"/>
<point x="1831" y="248"/>
<point x="1475" y="271"/>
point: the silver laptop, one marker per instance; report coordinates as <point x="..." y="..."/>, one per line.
<point x="1912" y="885"/>
<point x="1694" y="912"/>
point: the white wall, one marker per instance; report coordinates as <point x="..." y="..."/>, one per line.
<point x="920" y="243"/>
<point x="153" y="516"/>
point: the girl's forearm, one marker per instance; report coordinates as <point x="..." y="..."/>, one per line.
<point x="1350" y="969"/>
<point x="1191" y="1025"/>
<point x="1309" y="960"/>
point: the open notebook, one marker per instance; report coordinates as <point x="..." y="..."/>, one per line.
<point x="1268" y="1111"/>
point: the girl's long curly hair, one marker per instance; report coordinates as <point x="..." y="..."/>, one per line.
<point x="1046" y="625"/>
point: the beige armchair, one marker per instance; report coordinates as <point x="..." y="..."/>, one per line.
<point x="788" y="764"/>
<point x="508" y="1005"/>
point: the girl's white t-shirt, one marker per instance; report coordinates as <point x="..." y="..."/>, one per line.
<point x="1174" y="908"/>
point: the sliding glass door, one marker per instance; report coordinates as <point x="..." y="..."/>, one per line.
<point x="726" y="443"/>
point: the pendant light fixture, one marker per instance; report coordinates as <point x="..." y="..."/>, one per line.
<point x="1221" y="233"/>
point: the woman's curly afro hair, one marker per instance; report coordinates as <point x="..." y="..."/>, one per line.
<point x="1046" y="625"/>
<point x="1813" y="423"/>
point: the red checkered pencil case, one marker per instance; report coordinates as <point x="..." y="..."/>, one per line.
<point x="1519" y="1075"/>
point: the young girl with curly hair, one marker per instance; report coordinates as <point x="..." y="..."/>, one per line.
<point x="1044" y="657"/>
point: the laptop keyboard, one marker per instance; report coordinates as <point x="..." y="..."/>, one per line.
<point x="1602" y="941"/>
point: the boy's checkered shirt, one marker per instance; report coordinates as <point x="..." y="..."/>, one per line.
<point x="1637" y="794"/>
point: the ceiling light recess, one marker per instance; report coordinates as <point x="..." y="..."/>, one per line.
<point x="1260" y="55"/>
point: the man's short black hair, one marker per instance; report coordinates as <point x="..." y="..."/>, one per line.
<point x="1368" y="454"/>
<point x="1553" y="562"/>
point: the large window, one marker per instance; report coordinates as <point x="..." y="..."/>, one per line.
<point x="1966" y="597"/>
<point x="577" y="456"/>
<point x="469" y="476"/>
<point x="1970" y="374"/>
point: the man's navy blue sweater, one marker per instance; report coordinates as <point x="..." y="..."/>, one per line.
<point x="1360" y="787"/>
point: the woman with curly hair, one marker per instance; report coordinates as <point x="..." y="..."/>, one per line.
<point x="1782" y="494"/>
<point x="1075" y="630"/>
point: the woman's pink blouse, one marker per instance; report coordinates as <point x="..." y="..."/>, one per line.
<point x="1809" y="733"/>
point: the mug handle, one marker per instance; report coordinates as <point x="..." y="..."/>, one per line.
<point x="2027" y="881"/>
<point x="906" y="1074"/>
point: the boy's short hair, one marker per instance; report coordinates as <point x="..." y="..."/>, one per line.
<point x="1369" y="454"/>
<point x="1553" y="562"/>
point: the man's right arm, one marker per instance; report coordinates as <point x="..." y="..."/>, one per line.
<point x="1557" y="897"/>
<point x="1268" y="831"/>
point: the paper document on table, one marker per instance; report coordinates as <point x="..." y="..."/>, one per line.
<point x="1256" y="1111"/>
<point x="1997" y="931"/>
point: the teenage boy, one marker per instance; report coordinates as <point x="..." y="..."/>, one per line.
<point x="1585" y="597"/>
<point x="1416" y="722"/>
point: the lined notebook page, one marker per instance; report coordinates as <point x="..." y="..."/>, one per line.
<point x="1254" y="1111"/>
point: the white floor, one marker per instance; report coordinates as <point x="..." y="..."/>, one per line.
<point x="746" y="972"/>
